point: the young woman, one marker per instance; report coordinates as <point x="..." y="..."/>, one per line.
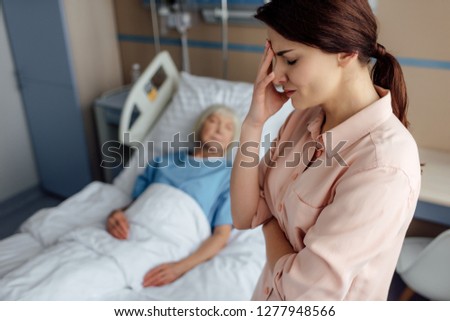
<point x="339" y="188"/>
<point x="204" y="174"/>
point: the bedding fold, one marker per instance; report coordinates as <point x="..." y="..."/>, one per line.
<point x="84" y="262"/>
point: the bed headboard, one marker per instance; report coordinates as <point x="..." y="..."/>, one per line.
<point x="148" y="98"/>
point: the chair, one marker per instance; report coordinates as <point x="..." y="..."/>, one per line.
<point x="424" y="265"/>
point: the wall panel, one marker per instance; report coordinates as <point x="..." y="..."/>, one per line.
<point x="415" y="31"/>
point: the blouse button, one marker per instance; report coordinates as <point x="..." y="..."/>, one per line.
<point x="280" y="207"/>
<point x="267" y="290"/>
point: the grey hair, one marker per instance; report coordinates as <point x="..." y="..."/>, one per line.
<point x="218" y="109"/>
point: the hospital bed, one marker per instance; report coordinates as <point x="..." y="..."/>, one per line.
<point x="167" y="103"/>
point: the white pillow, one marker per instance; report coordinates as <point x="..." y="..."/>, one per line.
<point x="194" y="95"/>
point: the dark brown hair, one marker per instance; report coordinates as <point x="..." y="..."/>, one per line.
<point x="336" y="26"/>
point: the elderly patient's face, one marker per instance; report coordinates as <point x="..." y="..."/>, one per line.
<point x="217" y="133"/>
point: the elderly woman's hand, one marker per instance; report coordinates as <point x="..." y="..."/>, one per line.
<point x="117" y="225"/>
<point x="163" y="274"/>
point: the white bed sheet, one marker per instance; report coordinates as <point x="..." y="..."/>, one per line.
<point x="231" y="275"/>
<point x="16" y="250"/>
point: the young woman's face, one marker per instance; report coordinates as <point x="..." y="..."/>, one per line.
<point x="217" y="132"/>
<point x="309" y="76"/>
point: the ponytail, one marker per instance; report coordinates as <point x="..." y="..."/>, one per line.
<point x="388" y="74"/>
<point x="339" y="26"/>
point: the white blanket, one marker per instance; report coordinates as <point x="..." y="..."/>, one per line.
<point x="86" y="263"/>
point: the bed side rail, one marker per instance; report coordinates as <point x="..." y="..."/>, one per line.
<point x="148" y="98"/>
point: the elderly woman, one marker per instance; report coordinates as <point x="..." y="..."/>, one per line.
<point x="204" y="174"/>
<point x="182" y="219"/>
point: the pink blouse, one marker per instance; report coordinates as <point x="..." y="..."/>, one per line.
<point x="346" y="214"/>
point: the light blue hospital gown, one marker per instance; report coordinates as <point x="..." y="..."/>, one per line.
<point x="205" y="180"/>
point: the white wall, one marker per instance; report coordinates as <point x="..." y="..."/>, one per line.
<point x="96" y="59"/>
<point x="17" y="164"/>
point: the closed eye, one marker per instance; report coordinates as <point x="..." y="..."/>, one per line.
<point x="291" y="62"/>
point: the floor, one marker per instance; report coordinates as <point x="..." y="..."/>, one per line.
<point x="397" y="287"/>
<point x="17" y="209"/>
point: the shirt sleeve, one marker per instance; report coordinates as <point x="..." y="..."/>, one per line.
<point x="370" y="212"/>
<point x="263" y="212"/>
<point x="144" y="180"/>
<point x="222" y="216"/>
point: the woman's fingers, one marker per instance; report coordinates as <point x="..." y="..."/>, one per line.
<point x="118" y="226"/>
<point x="154" y="281"/>
<point x="266" y="48"/>
<point x="154" y="276"/>
<point x="160" y="280"/>
<point x="117" y="231"/>
<point x="161" y="275"/>
<point x="121" y="233"/>
<point x="122" y="225"/>
<point x="265" y="65"/>
<point x="268" y="79"/>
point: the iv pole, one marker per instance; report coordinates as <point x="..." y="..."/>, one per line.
<point x="224" y="16"/>
<point x="182" y="25"/>
<point x="154" y="14"/>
